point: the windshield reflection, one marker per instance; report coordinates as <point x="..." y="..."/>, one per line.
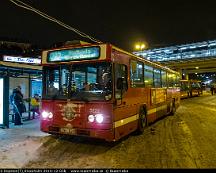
<point x="84" y="82"/>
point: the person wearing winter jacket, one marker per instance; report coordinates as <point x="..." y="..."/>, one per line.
<point x="18" y="104"/>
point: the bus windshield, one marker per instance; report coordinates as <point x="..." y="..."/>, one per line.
<point x="83" y="82"/>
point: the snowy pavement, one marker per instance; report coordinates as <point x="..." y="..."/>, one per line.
<point x="185" y="140"/>
<point x="19" y="144"/>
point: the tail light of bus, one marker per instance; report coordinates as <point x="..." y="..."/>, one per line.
<point x="46" y="115"/>
<point x="98" y="118"/>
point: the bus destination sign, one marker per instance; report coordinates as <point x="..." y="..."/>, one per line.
<point x="83" y="53"/>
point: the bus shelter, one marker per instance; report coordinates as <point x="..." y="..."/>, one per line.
<point x="23" y="71"/>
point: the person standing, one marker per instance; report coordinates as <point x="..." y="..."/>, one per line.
<point x="212" y="89"/>
<point x="19" y="106"/>
<point x="35" y="103"/>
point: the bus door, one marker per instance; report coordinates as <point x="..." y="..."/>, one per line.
<point x="124" y="113"/>
<point x="159" y="93"/>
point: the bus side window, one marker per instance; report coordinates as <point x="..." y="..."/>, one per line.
<point x="148" y="76"/>
<point x="136" y="74"/>
<point x="164" y="78"/>
<point x="177" y="81"/>
<point x="170" y="79"/>
<point x="120" y="72"/>
<point x="157" y="78"/>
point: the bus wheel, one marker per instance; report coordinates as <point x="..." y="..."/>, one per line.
<point x="173" y="108"/>
<point x="142" y="121"/>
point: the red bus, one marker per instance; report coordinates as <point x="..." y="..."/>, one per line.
<point x="101" y="91"/>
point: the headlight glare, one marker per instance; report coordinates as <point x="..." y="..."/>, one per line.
<point x="91" y="118"/>
<point x="45" y="114"/>
<point x="50" y="115"/>
<point x="99" y="118"/>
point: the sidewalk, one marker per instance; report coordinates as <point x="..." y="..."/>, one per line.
<point x="207" y="93"/>
<point x="19" y="144"/>
<point x="25" y="117"/>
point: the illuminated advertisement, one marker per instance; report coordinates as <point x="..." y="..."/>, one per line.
<point x="1" y="100"/>
<point x="22" y="60"/>
<point x="83" y="53"/>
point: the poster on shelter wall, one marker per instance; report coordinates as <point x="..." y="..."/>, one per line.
<point x="1" y="100"/>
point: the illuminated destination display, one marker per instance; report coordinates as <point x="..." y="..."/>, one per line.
<point x="83" y="53"/>
<point x="22" y="60"/>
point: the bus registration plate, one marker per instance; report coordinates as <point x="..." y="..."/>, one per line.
<point x="68" y="131"/>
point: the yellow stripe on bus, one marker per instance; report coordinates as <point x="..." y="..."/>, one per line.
<point x="151" y="111"/>
<point x="135" y="117"/>
<point x="126" y="121"/>
<point x="161" y="108"/>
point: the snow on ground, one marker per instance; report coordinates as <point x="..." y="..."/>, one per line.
<point x="185" y="140"/>
<point x="19" y="144"/>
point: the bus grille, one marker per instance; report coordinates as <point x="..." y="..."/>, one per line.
<point x="83" y="132"/>
<point x="54" y="129"/>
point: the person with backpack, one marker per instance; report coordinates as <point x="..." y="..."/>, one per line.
<point x="18" y="105"/>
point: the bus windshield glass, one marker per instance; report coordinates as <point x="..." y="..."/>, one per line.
<point x="83" y="82"/>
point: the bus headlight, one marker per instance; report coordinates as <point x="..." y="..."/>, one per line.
<point x="46" y="115"/>
<point x="50" y="115"/>
<point x="99" y="118"/>
<point x="91" y="118"/>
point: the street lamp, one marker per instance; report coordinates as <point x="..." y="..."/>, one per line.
<point x="140" y="46"/>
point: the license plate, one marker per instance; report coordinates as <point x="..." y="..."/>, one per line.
<point x="68" y="131"/>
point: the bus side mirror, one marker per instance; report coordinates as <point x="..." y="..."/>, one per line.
<point x="120" y="83"/>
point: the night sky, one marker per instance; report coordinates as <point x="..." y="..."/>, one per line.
<point x="122" y="23"/>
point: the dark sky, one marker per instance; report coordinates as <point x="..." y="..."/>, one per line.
<point x="122" y="23"/>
